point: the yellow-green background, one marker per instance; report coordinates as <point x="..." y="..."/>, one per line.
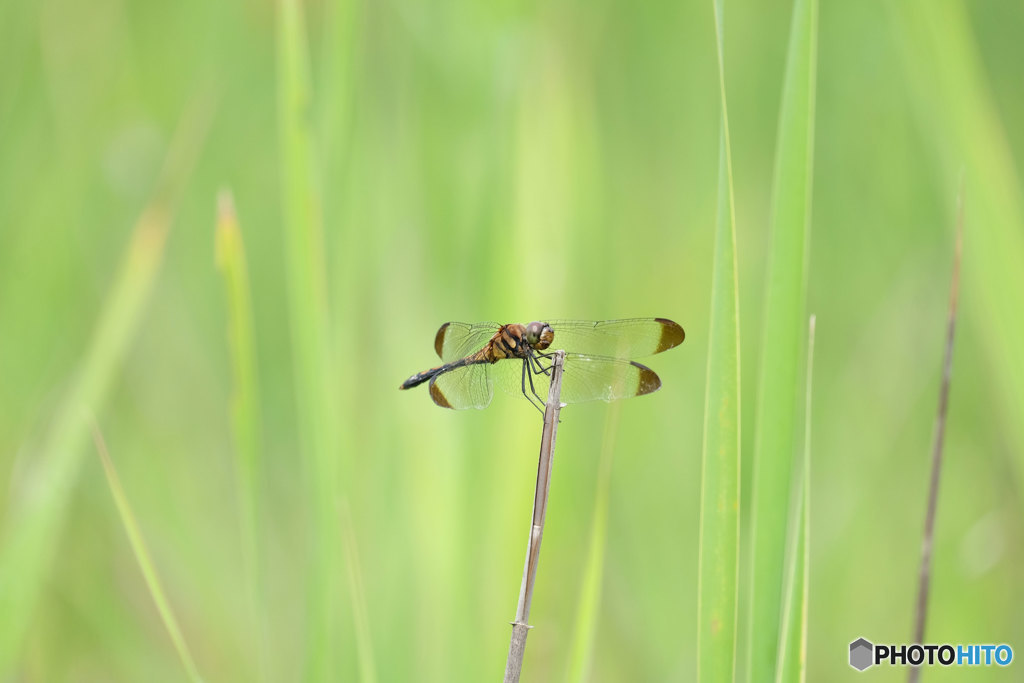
<point x="507" y="161"/>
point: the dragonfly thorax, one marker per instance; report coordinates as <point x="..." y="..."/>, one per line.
<point x="518" y="341"/>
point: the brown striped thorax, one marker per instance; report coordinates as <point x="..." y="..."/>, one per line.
<point x="517" y="341"/>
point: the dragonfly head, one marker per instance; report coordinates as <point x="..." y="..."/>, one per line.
<point x="539" y="335"/>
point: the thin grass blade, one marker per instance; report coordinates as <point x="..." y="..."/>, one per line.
<point x="720" y="470"/>
<point x="142" y="556"/>
<point x="246" y="420"/>
<point x="37" y="512"/>
<point x="928" y="535"/>
<point x="792" y="657"/>
<point x="785" y="297"/>
<point x="804" y="554"/>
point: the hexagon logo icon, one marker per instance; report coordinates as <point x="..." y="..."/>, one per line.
<point x="860" y="654"/>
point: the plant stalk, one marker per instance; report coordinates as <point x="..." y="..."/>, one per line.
<point x="940" y="433"/>
<point x="520" y="627"/>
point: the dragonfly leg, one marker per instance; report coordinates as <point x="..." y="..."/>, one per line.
<point x="531" y="373"/>
<point x="541" y="368"/>
<point x="528" y="373"/>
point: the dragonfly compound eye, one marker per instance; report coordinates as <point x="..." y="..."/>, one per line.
<point x="539" y="335"/>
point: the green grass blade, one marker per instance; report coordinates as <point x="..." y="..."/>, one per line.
<point x="131" y="528"/>
<point x="39" y="500"/>
<point x="720" y="471"/>
<point x="585" y="628"/>
<point x="246" y="419"/>
<point x="804" y="553"/>
<point x="775" y="442"/>
<point x="804" y="557"/>
<point x="310" y="333"/>
<point x="792" y="657"/>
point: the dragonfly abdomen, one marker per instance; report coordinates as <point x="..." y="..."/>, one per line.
<point x="425" y="376"/>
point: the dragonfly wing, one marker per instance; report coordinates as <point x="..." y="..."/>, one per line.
<point x="457" y="340"/>
<point x="592" y="378"/>
<point x="508" y="374"/>
<point x="465" y="387"/>
<point x="584" y="378"/>
<point x="629" y="338"/>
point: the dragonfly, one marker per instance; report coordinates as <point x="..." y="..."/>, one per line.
<point x="598" y="360"/>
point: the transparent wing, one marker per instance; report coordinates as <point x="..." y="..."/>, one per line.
<point x="466" y="387"/>
<point x="629" y="338"/>
<point x="584" y="378"/>
<point x="457" y="340"/>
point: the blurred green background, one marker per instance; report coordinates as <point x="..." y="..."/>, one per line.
<point x="501" y="161"/>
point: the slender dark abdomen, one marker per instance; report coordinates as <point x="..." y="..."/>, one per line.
<point x="421" y="377"/>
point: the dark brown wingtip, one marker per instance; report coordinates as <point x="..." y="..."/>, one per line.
<point x="439" y="340"/>
<point x="672" y="334"/>
<point x="649" y="380"/>
<point x="438" y="397"/>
